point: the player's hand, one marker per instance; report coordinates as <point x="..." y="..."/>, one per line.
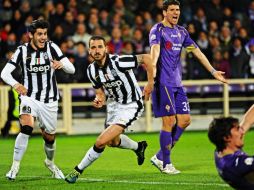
<point x="20" y="89"/>
<point x="219" y="76"/>
<point x="98" y="102"/>
<point x="148" y="90"/>
<point x="56" y="64"/>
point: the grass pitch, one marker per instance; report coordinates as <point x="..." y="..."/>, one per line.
<point x="117" y="169"/>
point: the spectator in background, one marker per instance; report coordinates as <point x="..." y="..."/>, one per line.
<point x="238" y="59"/>
<point x="6" y="11"/>
<point x="81" y="34"/>
<point x="92" y="23"/>
<point x="58" y="34"/>
<point x="199" y="20"/>
<point x="225" y="38"/>
<point x="221" y="63"/>
<point x="251" y="16"/>
<point x="104" y="20"/>
<point x="250" y="51"/>
<point x="213" y="29"/>
<point x="138" y="41"/>
<point x="115" y="45"/>
<point x="81" y="63"/>
<point x="57" y="17"/>
<point x="68" y="24"/>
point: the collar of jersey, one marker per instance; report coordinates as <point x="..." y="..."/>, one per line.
<point x="166" y="24"/>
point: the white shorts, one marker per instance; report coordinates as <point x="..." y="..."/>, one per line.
<point x="123" y="114"/>
<point x="45" y="113"/>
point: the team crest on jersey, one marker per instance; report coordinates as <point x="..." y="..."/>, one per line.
<point x="248" y="161"/>
<point x="114" y="73"/>
<point x="153" y="37"/>
<point x="168" y="45"/>
<point x="167" y="108"/>
<point x="26" y="109"/>
<point x="45" y="56"/>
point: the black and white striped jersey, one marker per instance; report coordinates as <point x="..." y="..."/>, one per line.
<point x="38" y="75"/>
<point x="117" y="78"/>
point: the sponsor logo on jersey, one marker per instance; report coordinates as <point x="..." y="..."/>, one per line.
<point x="168" y="45"/>
<point x="113" y="84"/>
<point x="38" y="68"/>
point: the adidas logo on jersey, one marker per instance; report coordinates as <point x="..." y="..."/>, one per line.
<point x="38" y="68"/>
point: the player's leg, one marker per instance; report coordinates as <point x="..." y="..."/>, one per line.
<point x="164" y="106"/>
<point x="126" y="115"/>
<point x="21" y="143"/>
<point x="48" y="121"/>
<point x="94" y="152"/>
<point x="182" y="114"/>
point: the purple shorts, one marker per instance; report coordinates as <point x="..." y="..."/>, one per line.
<point x="169" y="101"/>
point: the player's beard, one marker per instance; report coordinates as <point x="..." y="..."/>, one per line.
<point x="99" y="60"/>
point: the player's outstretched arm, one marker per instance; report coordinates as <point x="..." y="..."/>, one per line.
<point x="202" y="58"/>
<point x="100" y="98"/>
<point x="146" y="59"/>
<point x="248" y="119"/>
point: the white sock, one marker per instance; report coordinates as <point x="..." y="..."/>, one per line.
<point x="20" y="146"/>
<point x="89" y="158"/>
<point x="128" y="143"/>
<point x="50" y="150"/>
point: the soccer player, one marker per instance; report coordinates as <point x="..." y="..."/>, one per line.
<point x="113" y="75"/>
<point x="38" y="92"/>
<point x="169" y="98"/>
<point x="233" y="165"/>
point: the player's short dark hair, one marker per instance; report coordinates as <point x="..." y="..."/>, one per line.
<point x="97" y="38"/>
<point x="166" y="3"/>
<point x="220" y="128"/>
<point x="38" y="24"/>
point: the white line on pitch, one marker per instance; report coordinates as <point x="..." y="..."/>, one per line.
<point x="138" y="182"/>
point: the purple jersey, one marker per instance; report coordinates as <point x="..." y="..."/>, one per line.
<point x="236" y="169"/>
<point x="171" y="40"/>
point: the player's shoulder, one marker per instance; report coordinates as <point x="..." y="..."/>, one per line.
<point x="181" y="28"/>
<point x="157" y="27"/>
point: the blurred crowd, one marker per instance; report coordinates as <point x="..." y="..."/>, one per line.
<point x="223" y="30"/>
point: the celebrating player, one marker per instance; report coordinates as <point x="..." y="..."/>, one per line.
<point x="113" y="74"/>
<point x="38" y="92"/>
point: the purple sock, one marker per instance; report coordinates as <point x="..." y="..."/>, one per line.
<point x="165" y="143"/>
<point x="178" y="132"/>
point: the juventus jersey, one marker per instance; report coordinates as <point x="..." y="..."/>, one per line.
<point x="38" y="75"/>
<point x="117" y="78"/>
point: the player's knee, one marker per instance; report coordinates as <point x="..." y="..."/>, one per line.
<point x="26" y="129"/>
<point x="184" y="122"/>
<point x="49" y="139"/>
<point x="100" y="143"/>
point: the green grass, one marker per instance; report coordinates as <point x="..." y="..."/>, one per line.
<point x="116" y="168"/>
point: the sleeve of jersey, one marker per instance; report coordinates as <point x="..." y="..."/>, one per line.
<point x="188" y="43"/>
<point x="127" y="62"/>
<point x="154" y="35"/>
<point x="56" y="52"/>
<point x="6" y="74"/>
<point x="93" y="78"/>
<point x="244" y="164"/>
<point x="68" y="67"/>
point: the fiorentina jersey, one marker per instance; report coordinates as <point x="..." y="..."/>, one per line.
<point x="171" y="41"/>
<point x="236" y="169"/>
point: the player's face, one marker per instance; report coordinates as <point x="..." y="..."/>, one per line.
<point x="172" y="14"/>
<point x="236" y="138"/>
<point x="97" y="50"/>
<point x="39" y="38"/>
